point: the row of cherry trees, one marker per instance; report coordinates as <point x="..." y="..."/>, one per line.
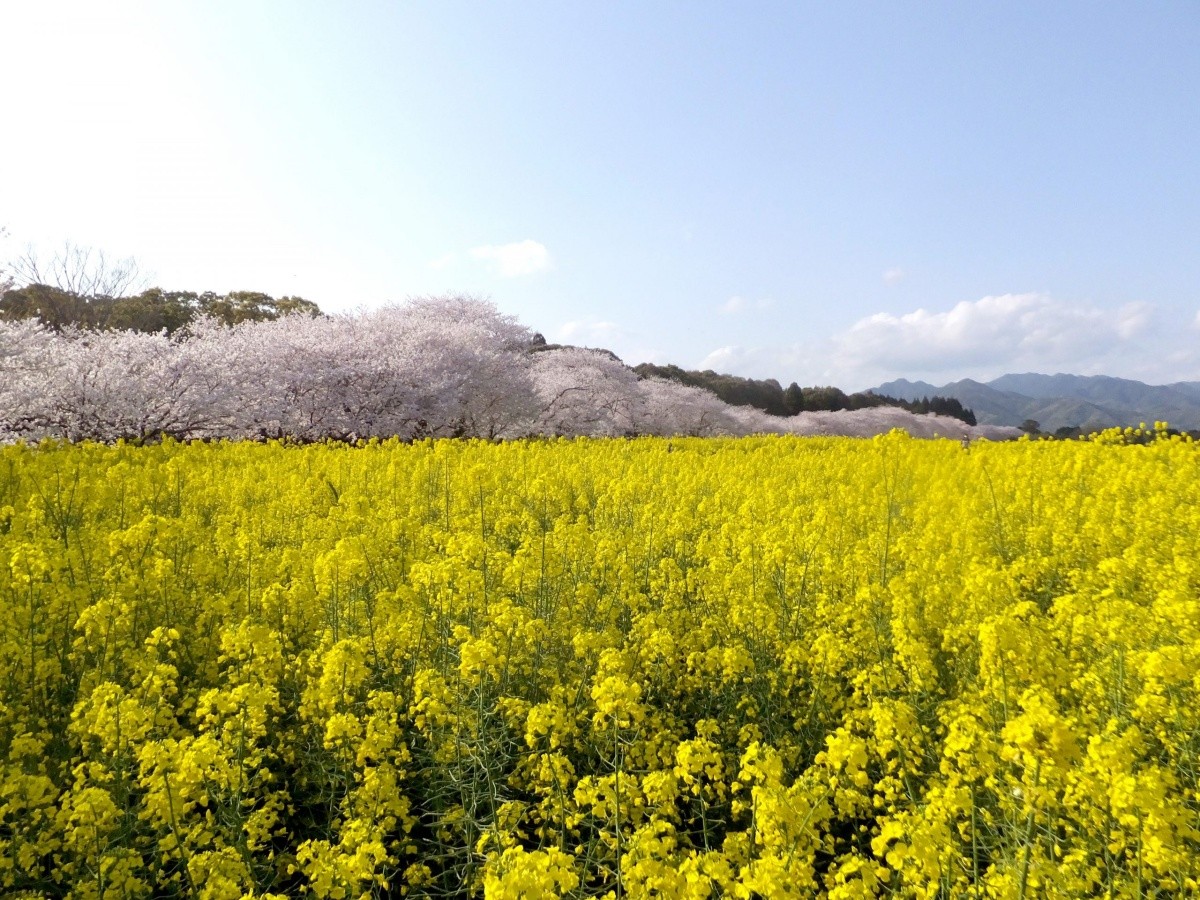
<point x="436" y="366"/>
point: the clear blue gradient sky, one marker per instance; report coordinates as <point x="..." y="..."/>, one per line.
<point x="826" y="193"/>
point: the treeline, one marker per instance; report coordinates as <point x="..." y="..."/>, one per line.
<point x="774" y="399"/>
<point x="942" y="406"/>
<point x="166" y="363"/>
<point x="150" y="312"/>
<point x="435" y="367"/>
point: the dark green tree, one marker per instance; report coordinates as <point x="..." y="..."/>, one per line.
<point x="153" y="310"/>
<point x="55" y="307"/>
<point x="793" y="399"/>
<point x="150" y="311"/>
<point x="828" y="399"/>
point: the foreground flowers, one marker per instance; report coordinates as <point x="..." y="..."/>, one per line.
<point x="756" y="667"/>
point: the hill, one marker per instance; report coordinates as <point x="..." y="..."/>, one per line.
<point x="770" y="397"/>
<point x="1088" y="402"/>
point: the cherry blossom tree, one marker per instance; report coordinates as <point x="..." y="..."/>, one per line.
<point x="111" y="385"/>
<point x="438" y="366"/>
<point x="433" y="367"/>
<point x="27" y="353"/>
<point x="670" y="408"/>
<point x="585" y="392"/>
<point x="463" y="363"/>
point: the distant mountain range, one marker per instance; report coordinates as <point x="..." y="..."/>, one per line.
<point x="1089" y="402"/>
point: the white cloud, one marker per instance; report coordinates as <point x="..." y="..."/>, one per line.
<point x="1132" y="319"/>
<point x="737" y="304"/>
<point x="440" y="262"/>
<point x="724" y="359"/>
<point x="893" y="277"/>
<point x="628" y="344"/>
<point x="980" y="339"/>
<point x="513" y="260"/>
<point x="588" y="333"/>
<point x="1010" y="331"/>
<point x="805" y="362"/>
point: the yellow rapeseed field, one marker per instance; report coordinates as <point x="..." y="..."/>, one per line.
<point x="750" y="668"/>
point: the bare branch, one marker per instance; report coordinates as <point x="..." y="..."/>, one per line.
<point x="79" y="270"/>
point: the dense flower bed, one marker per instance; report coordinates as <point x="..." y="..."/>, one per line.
<point x="767" y="667"/>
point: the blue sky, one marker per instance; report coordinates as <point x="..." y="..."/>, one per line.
<point x="825" y="193"/>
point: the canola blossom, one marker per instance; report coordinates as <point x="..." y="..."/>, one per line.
<point x="751" y="668"/>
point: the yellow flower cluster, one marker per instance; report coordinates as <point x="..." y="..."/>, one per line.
<point x="747" y="668"/>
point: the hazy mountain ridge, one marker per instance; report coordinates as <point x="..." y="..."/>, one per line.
<point x="1063" y="401"/>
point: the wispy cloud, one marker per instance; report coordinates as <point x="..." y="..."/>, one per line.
<point x="737" y="304"/>
<point x="588" y="332"/>
<point x="976" y="339"/>
<point x="806" y="362"/>
<point x="892" y="277"/>
<point x="724" y="359"/>
<point x="627" y="343"/>
<point x="1132" y="319"/>
<point x="1006" y="331"/>
<point x="513" y="260"/>
<point x="440" y="262"/>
